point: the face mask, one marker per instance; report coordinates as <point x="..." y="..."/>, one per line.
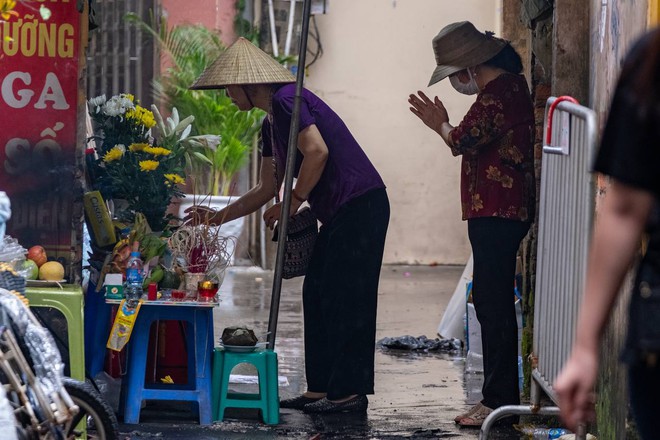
<point x="470" y="88"/>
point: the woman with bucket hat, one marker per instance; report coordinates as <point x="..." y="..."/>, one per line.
<point x="348" y="197"/>
<point x="496" y="142"/>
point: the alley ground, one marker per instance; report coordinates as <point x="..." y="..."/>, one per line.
<point x="417" y="394"/>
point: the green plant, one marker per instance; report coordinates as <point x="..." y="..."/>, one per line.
<point x="243" y="27"/>
<point x="190" y="49"/>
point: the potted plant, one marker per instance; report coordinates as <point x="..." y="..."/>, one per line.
<point x="190" y="49"/>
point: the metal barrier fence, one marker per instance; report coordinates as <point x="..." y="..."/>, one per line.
<point x="564" y="220"/>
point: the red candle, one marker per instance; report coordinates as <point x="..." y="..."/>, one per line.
<point x="206" y="291"/>
<point x="152" y="292"/>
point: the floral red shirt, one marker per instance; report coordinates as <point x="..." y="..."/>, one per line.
<point x="496" y="139"/>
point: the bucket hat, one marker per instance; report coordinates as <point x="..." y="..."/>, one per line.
<point x="242" y="63"/>
<point x="460" y="45"/>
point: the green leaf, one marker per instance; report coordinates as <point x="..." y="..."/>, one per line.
<point x="202" y="158"/>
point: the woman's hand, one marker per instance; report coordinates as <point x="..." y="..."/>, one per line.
<point x="575" y="388"/>
<point x="432" y="113"/>
<point x="200" y="215"/>
<point x="272" y="214"/>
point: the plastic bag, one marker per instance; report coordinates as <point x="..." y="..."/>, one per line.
<point x="240" y="336"/>
<point x="123" y="325"/>
<point x="451" y="324"/>
<point x="422" y="343"/>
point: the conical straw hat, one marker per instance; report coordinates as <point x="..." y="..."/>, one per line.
<point x="242" y="63"/>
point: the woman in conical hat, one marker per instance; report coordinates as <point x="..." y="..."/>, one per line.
<point x="348" y="197"/>
<point x="496" y="142"/>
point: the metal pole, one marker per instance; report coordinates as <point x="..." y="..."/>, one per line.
<point x="288" y="179"/>
<point x="289" y="31"/>
<point x="273" y="33"/>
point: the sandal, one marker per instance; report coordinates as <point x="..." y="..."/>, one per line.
<point x="468" y="413"/>
<point x="476" y="419"/>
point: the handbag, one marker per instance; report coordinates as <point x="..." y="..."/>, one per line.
<point x="299" y="247"/>
<point x="301" y="232"/>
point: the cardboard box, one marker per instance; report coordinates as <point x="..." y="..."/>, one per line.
<point x="113" y="284"/>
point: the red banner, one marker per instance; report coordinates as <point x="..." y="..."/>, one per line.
<point x="38" y="121"/>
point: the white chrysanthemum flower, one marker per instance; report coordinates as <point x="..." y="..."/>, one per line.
<point x="97" y="101"/>
<point x="117" y="105"/>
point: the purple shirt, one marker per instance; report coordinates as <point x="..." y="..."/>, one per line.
<point x="348" y="173"/>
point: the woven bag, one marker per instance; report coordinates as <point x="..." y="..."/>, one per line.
<point x="300" y="238"/>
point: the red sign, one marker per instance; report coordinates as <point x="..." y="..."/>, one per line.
<point x="38" y="121"/>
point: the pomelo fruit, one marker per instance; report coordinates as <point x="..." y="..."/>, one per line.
<point x="37" y="254"/>
<point x="30" y="270"/>
<point x="51" y="271"/>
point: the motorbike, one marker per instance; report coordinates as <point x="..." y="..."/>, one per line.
<point x="35" y="395"/>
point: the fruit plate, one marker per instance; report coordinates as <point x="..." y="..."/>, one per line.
<point x="243" y="348"/>
<point x="44" y="283"/>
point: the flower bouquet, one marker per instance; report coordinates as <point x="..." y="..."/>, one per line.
<point x="141" y="166"/>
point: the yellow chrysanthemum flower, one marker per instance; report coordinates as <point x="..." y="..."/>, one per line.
<point x="138" y="147"/>
<point x="7" y="9"/>
<point x="174" y="178"/>
<point x="142" y="115"/>
<point x="148" y="119"/>
<point x="157" y="151"/>
<point x="115" y="153"/>
<point x="148" y="165"/>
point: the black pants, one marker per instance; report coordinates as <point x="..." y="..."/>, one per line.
<point x="644" y="388"/>
<point x="495" y="243"/>
<point x="340" y="296"/>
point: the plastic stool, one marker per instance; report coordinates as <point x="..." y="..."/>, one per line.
<point x="268" y="398"/>
<point x="199" y="340"/>
<point x="69" y="301"/>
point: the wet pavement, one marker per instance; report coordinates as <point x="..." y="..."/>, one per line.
<point x="417" y="394"/>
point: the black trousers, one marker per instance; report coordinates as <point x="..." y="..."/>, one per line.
<point x="340" y="294"/>
<point x="644" y="387"/>
<point x="495" y="243"/>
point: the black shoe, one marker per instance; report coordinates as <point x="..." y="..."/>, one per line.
<point x="297" y="402"/>
<point x="324" y="406"/>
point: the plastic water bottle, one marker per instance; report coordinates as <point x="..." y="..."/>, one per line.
<point x="557" y="432"/>
<point x="549" y="434"/>
<point x="134" y="275"/>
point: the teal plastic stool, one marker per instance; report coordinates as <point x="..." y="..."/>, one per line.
<point x="267" y="400"/>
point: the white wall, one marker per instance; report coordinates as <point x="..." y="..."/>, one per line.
<point x="377" y="52"/>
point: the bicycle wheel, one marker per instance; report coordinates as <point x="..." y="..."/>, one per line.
<point x="101" y="421"/>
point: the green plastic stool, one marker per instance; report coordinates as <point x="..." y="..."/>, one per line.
<point x="69" y="301"/>
<point x="267" y="400"/>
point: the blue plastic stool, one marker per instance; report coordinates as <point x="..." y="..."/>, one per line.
<point x="267" y="400"/>
<point x="199" y="340"/>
